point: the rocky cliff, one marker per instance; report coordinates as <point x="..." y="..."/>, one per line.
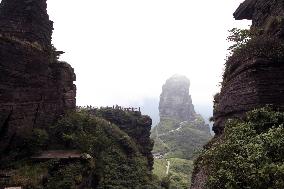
<point x="256" y="78"/>
<point x="253" y="76"/>
<point x="42" y="143"/>
<point x="175" y="101"/>
<point x="181" y="132"/>
<point x="35" y="88"/>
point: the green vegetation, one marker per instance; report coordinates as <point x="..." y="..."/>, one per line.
<point x="239" y="38"/>
<point x="250" y="154"/>
<point x="180" y="140"/>
<point x="179" y="172"/>
<point x="165" y="125"/>
<point x="160" y="168"/>
<point x="160" y="146"/>
<point x="114" y="158"/>
<point x="247" y="44"/>
<point x="179" y="143"/>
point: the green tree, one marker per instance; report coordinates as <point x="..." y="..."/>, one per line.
<point x="250" y="154"/>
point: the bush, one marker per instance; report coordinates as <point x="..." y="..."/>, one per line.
<point x="250" y="154"/>
<point x="115" y="159"/>
<point x="253" y="43"/>
<point x="37" y="141"/>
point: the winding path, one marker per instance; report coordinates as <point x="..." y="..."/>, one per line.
<point x="168" y="167"/>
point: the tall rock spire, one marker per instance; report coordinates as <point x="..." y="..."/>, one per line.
<point x="175" y="101"/>
<point x="26" y="20"/>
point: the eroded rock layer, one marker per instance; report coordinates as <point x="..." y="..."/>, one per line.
<point x="253" y="81"/>
<point x="26" y="20"/>
<point x="35" y="88"/>
<point x="253" y="78"/>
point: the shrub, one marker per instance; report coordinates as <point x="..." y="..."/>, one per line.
<point x="249" y="44"/>
<point x="250" y="154"/>
<point x="38" y="140"/>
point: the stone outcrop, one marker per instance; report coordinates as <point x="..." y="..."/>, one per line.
<point x="35" y="88"/>
<point x="26" y="20"/>
<point x="264" y="14"/>
<point x="181" y="132"/>
<point x="175" y="101"/>
<point x="252" y="80"/>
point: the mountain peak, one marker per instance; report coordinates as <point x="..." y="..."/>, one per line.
<point x="175" y="100"/>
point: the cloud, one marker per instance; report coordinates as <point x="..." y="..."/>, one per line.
<point x="124" y="50"/>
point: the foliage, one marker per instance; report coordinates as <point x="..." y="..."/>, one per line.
<point x="166" y="182"/>
<point x="262" y="46"/>
<point x="29" y="176"/>
<point x="179" y="142"/>
<point x="37" y="141"/>
<point x="70" y="175"/>
<point x="115" y="159"/>
<point x="50" y="174"/>
<point x="160" y="168"/>
<point x="187" y="142"/>
<point x="238" y="38"/>
<point x="179" y="172"/>
<point x="160" y="146"/>
<point x="252" y="43"/>
<point x="116" y="154"/>
<point x="26" y="145"/>
<point x="250" y="154"/>
<point x="165" y="125"/>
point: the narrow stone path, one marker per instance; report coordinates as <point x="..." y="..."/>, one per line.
<point x="168" y="167"/>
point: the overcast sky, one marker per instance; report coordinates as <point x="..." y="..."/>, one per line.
<point x="124" y="50"/>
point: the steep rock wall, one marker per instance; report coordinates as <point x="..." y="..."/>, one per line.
<point x="250" y="81"/>
<point x="175" y="101"/>
<point x="253" y="81"/>
<point x="35" y="88"/>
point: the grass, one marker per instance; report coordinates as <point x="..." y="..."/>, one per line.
<point x="180" y="148"/>
<point x="160" y="168"/>
<point x="180" y="171"/>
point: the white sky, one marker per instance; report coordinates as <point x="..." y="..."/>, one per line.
<point x="124" y="50"/>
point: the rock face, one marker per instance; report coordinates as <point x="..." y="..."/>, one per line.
<point x="137" y="126"/>
<point x="175" y="101"/>
<point x="264" y="14"/>
<point x="254" y="80"/>
<point x="35" y="88"/>
<point x="26" y="20"/>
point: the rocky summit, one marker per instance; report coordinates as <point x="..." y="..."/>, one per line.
<point x="180" y="134"/>
<point x="175" y="101"/>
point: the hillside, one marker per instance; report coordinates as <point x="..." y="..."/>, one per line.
<point x="180" y="139"/>
<point x="180" y="134"/>
<point x="98" y="152"/>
